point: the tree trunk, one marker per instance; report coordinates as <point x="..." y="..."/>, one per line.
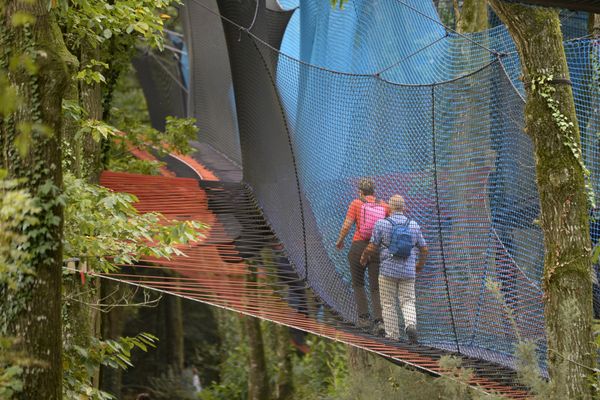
<point x="174" y="333"/>
<point x="258" y="379"/>
<point x="285" y="386"/>
<point x="116" y="66"/>
<point x="83" y="162"/>
<point x="32" y="312"/>
<point x="112" y="328"/>
<point x="359" y="360"/>
<point x="88" y="161"/>
<point x="564" y="208"/>
<point x="79" y="328"/>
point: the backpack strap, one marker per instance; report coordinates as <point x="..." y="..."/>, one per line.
<point x="377" y="201"/>
<point x="361" y="212"/>
<point x="391" y="221"/>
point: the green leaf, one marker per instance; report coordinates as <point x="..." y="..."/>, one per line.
<point x="22" y="18"/>
<point x="23" y="139"/>
<point x="8" y="99"/>
<point x="596" y="255"/>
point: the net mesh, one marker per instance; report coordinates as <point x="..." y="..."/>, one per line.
<point x="212" y="102"/>
<point x="382" y="89"/>
<point x="162" y="82"/>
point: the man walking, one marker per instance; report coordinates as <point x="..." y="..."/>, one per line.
<point x="397" y="238"/>
<point x="364" y="211"/>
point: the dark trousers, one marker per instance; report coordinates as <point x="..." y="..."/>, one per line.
<point x="296" y="297"/>
<point x="358" y="280"/>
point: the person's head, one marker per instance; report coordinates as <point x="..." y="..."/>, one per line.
<point x="194" y="370"/>
<point x="143" y="396"/>
<point x="366" y="187"/>
<point x="396" y="203"/>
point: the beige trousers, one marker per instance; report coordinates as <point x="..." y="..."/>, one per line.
<point x="403" y="291"/>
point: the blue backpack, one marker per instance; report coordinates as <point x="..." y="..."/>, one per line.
<point x="401" y="243"/>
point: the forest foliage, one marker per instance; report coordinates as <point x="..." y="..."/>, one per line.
<point x="102" y="120"/>
<point x="101" y="228"/>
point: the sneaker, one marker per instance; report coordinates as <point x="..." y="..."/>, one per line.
<point x="363" y="323"/>
<point x="411" y="332"/>
<point x="378" y="328"/>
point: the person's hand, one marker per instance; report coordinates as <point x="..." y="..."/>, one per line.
<point x="364" y="260"/>
<point x="340" y="244"/>
<point x="419" y="268"/>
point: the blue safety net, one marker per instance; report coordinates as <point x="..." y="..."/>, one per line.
<point x="388" y="93"/>
<point x="381" y="89"/>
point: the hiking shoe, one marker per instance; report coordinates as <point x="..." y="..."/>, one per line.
<point x="411" y="332"/>
<point x="363" y="323"/>
<point x="378" y="328"/>
<point x="301" y="347"/>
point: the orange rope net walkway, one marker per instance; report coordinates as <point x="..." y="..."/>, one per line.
<point x="245" y="276"/>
